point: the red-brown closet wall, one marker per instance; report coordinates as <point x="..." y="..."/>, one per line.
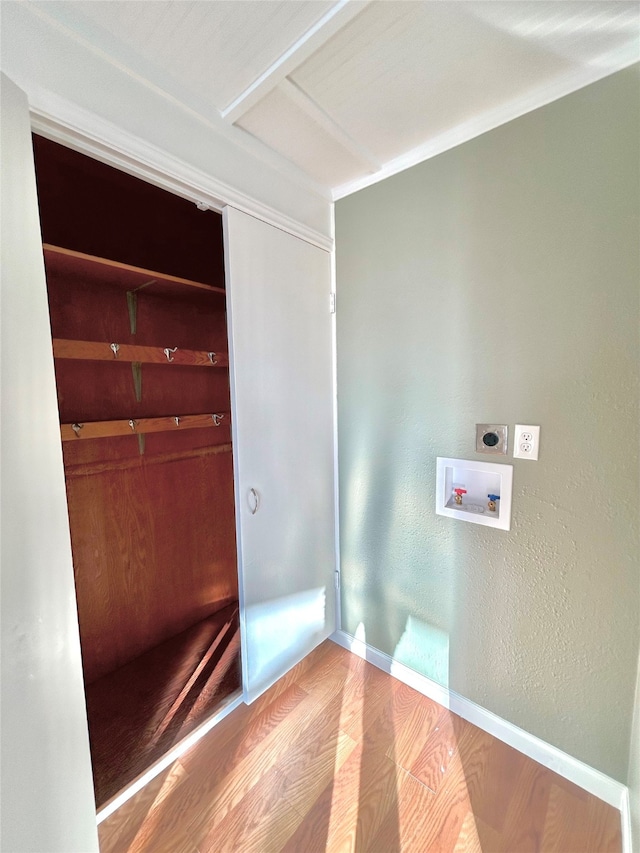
<point x="153" y="533"/>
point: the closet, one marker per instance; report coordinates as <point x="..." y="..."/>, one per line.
<point x="136" y="288"/>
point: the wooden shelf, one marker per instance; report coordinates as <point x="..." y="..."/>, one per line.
<point x="100" y="351"/>
<point x="141" y="426"/>
<point x="65" y="262"/>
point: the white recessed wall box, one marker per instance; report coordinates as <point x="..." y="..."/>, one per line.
<point x="479" y="492"/>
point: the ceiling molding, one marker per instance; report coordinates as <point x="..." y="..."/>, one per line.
<point x="324" y="120"/>
<point x="70" y="125"/>
<point x="247" y="142"/>
<point x="487" y="121"/>
<point x="334" y="20"/>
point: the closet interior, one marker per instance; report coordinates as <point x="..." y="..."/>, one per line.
<point x="135" y="279"/>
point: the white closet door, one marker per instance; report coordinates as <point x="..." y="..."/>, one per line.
<point x="47" y="792"/>
<point x="282" y="400"/>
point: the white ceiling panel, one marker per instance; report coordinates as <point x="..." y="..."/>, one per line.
<point x="404" y="72"/>
<point x="213" y="50"/>
<point x="282" y="125"/>
<point x="350" y="91"/>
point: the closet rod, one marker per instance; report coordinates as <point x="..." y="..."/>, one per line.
<point x="141" y="426"/>
<point x="64" y="348"/>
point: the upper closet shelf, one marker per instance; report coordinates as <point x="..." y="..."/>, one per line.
<point x="101" y="351"/>
<point x="61" y="261"/>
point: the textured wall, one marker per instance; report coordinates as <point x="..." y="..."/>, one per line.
<point x="499" y="282"/>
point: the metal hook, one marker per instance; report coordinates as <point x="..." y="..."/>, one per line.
<point x="212" y="357"/>
<point x="217" y="419"/>
<point x="114" y="349"/>
<point x="168" y="351"/>
<point x="177" y="421"/>
<point x="133" y="424"/>
<point x="76" y="428"/>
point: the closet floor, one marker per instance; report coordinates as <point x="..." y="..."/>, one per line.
<point x="137" y="713"/>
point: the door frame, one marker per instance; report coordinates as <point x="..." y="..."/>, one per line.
<point x="106" y="143"/>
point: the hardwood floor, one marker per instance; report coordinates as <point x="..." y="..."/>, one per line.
<point x="339" y="756"/>
<point x="139" y="711"/>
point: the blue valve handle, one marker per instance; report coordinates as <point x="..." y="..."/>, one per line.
<point x="494" y="497"/>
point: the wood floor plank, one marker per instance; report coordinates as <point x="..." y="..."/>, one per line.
<point x="469" y="838"/>
<point x="258" y="723"/>
<point x="492" y="771"/>
<point x="565" y="827"/>
<point x="440" y="746"/>
<point x="575" y="825"/>
<point x="313" y="762"/>
<point x="442" y="825"/>
<point x="263" y="821"/>
<point x="119" y="830"/>
<point x="404" y="828"/>
<point x="223" y="794"/>
<point x="605" y="828"/>
<point x="321" y="661"/>
<point x="526" y="815"/>
<point x="220" y="778"/>
<point x="412" y="718"/>
<point x="351" y="808"/>
<point x="364" y="691"/>
<point x="319" y="763"/>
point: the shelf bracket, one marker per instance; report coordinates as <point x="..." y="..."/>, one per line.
<point x="136" y="370"/>
<point x="132" y="304"/>
<point x="133" y="424"/>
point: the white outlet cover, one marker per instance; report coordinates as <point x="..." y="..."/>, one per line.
<point x="526" y="442"/>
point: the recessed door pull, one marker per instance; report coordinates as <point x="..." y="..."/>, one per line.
<point x="254" y="501"/>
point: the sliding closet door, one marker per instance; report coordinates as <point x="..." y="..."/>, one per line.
<point x="282" y="399"/>
<point x="47" y="792"/>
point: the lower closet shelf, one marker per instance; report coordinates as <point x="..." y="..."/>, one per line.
<point x="139" y="712"/>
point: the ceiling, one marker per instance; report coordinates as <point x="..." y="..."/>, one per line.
<point x="349" y="92"/>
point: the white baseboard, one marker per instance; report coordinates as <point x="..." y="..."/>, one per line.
<point x="614" y="793"/>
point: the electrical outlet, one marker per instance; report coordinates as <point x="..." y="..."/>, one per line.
<point x="491" y="438"/>
<point x="526" y="442"/>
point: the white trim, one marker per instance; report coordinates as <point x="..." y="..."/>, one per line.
<point x="336" y="471"/>
<point x="625" y="814"/>
<point x="315" y="37"/>
<point x="180" y="99"/>
<point x="581" y="774"/>
<point x="179" y="749"/>
<point x="64" y="122"/>
<point x="490" y="120"/>
<point x="315" y="112"/>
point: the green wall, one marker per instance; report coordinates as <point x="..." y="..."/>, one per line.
<point x="499" y="282"/>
